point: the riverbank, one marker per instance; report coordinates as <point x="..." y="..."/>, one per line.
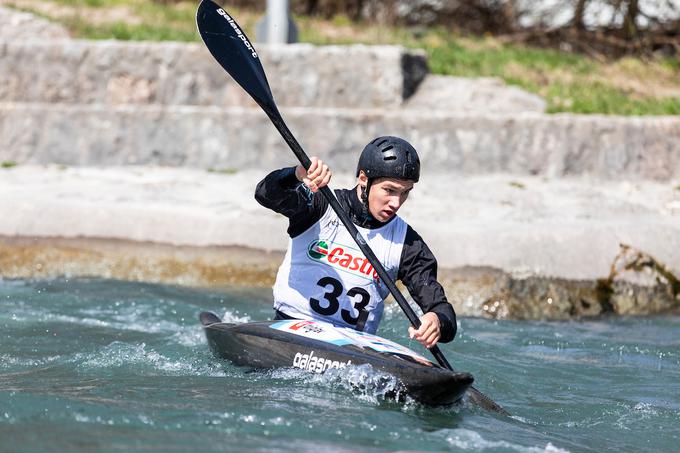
<point x="508" y="246"/>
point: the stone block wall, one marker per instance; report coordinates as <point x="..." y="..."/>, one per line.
<point x="241" y="138"/>
<point x="117" y="72"/>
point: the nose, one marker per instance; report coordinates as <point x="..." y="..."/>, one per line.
<point x="395" y="203"/>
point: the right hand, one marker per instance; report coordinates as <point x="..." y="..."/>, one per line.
<point x="317" y="176"/>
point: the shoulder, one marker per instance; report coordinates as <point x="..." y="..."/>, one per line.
<point x="411" y="237"/>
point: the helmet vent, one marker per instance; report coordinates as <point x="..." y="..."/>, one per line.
<point x="388" y="153"/>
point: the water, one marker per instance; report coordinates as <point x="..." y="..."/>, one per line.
<point x="108" y="365"/>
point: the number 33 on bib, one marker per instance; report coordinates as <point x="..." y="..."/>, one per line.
<point x="323" y="277"/>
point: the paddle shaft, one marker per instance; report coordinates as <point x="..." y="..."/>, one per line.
<point x="275" y="117"/>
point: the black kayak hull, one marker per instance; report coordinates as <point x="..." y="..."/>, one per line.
<point x="317" y="346"/>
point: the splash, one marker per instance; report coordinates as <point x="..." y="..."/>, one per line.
<point x="146" y="360"/>
<point x="367" y="383"/>
<point x="466" y="439"/>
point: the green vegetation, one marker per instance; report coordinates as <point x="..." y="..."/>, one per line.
<point x="517" y="185"/>
<point x="8" y="164"/>
<point x="568" y="82"/>
<point x="128" y="32"/>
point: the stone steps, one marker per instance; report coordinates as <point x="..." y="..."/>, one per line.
<point x="170" y="73"/>
<point x="453" y="143"/>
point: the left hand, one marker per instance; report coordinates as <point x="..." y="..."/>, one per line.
<point x="316" y="176"/>
<point x="429" y="332"/>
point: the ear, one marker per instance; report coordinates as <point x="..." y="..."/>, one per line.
<point x="362" y="179"/>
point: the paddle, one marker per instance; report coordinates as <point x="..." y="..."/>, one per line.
<point x="235" y="53"/>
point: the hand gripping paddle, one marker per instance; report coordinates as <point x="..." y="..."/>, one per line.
<point x="235" y="53"/>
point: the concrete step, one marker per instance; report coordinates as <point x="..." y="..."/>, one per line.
<point x="526" y="225"/>
<point x="122" y="72"/>
<point x="479" y="95"/>
<point x="242" y="138"/>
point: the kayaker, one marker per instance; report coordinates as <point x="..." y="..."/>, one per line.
<point x="324" y="275"/>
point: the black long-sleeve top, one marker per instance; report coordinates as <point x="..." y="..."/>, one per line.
<point x="281" y="192"/>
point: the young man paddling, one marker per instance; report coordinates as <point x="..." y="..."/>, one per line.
<point x="324" y="275"/>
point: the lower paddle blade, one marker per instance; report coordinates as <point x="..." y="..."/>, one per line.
<point x="485" y="402"/>
<point x="232" y="49"/>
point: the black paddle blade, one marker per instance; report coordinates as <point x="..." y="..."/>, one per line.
<point x="234" y="52"/>
<point x="485" y="402"/>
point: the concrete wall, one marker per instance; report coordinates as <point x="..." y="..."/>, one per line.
<point x="203" y="137"/>
<point x="112" y="72"/>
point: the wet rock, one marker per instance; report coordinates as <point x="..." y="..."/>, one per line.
<point x="638" y="285"/>
<point x="474" y="291"/>
<point x="495" y="294"/>
<point x="135" y="261"/>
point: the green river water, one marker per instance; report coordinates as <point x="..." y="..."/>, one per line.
<point x="102" y="365"/>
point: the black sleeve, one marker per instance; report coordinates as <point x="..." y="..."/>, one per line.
<point x="418" y="271"/>
<point x="281" y="192"/>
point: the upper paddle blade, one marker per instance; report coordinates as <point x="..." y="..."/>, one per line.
<point x="234" y="51"/>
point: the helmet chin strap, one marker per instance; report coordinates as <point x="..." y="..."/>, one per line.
<point x="364" y="198"/>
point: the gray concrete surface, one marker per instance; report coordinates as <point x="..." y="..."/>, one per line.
<point x="453" y="144"/>
<point x="171" y="73"/>
<point x="525" y="225"/>
<point x="480" y="95"/>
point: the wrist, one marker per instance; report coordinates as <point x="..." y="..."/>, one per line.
<point x="300" y="173"/>
<point x="435" y="319"/>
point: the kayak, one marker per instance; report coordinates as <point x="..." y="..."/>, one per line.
<point x="317" y="347"/>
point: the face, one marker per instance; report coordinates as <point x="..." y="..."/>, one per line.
<point x="387" y="195"/>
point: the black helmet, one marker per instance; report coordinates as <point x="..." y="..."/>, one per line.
<point x="390" y="157"/>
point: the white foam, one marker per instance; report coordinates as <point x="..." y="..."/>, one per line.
<point x="363" y="381"/>
<point x="118" y="354"/>
<point x="466" y="439"/>
<point x="231" y="317"/>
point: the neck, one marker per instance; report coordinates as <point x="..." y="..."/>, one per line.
<point x="359" y="211"/>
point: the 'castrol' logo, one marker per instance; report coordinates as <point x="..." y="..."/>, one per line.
<point x="342" y="257"/>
